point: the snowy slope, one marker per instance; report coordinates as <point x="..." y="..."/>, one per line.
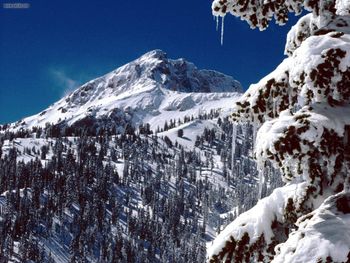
<point x="191" y="130"/>
<point x="29" y="149"/>
<point x="150" y="89"/>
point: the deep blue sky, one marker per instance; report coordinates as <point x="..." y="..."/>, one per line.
<point x="54" y="46"/>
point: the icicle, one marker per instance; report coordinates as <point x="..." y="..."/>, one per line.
<point x="222" y="30"/>
<point x="217" y="22"/>
<point x="261" y="172"/>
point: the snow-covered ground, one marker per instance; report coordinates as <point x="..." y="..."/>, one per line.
<point x="190" y="132"/>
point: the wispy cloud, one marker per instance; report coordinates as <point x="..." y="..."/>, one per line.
<point x="65" y="82"/>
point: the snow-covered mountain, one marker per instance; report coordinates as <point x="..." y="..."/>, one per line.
<point x="150" y="89"/>
<point x="97" y="185"/>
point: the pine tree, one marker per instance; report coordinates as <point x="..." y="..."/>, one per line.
<point x="180" y="133"/>
<point x="302" y="111"/>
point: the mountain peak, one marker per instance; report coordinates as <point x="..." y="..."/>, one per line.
<point x="156" y="53"/>
<point x="147" y="88"/>
<point x="155" y="69"/>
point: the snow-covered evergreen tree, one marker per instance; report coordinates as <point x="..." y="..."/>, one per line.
<point x="302" y="110"/>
